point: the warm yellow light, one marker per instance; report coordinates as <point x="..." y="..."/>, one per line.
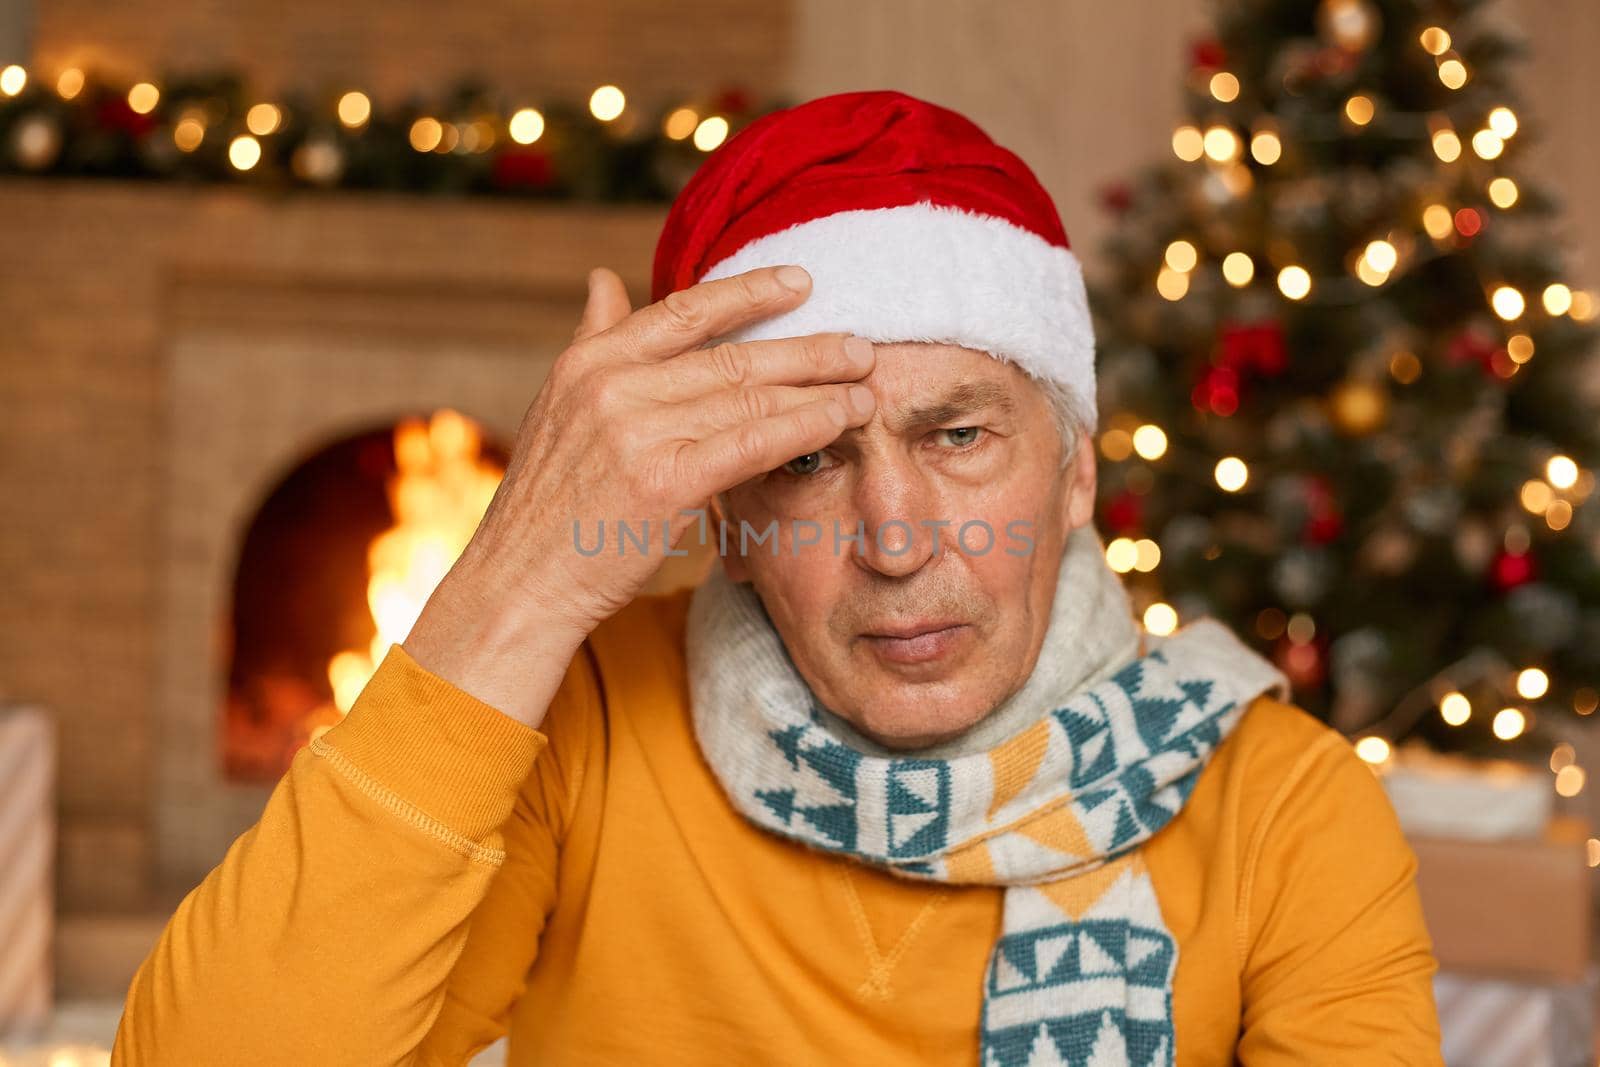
<point x="1503" y="192"/>
<point x="1519" y="346"/>
<point x="681" y="123"/>
<point x="1532" y="684"/>
<point x="1181" y="255"/>
<point x="1455" y="709"/>
<point x="1232" y="474"/>
<point x="1569" y="780"/>
<point x="1116" y="445"/>
<point x="1436" y="41"/>
<point x="1487" y="144"/>
<point x="70" y="83"/>
<point x="263" y="119"/>
<point x="1374" y="750"/>
<point x="1536" y="496"/>
<point x="1438" y="221"/>
<point x="1503" y="121"/>
<point x="1238" y="268"/>
<point x="1150" y="441"/>
<point x="526" y="126"/>
<point x="426" y="133"/>
<point x="1122" y="555"/>
<point x="710" y="133"/>
<point x="188" y="133"/>
<point x="244" y="152"/>
<point x="1266" y="148"/>
<point x="1447" y="146"/>
<point x="1557" y="299"/>
<point x="1382" y="256"/>
<point x="1558" y="516"/>
<point x="1188" y="143"/>
<point x="1562" y="472"/>
<point x="1359" y="109"/>
<point x="1507" y="302"/>
<point x="1583" y="305"/>
<point x="354" y="109"/>
<point x="1222" y="144"/>
<point x="1160" y="618"/>
<point x="1453" y="73"/>
<point x="1149" y="555"/>
<point x="1224" y="86"/>
<point x="12" y="79"/>
<point x="1172" y="284"/>
<point x="1405" y="366"/>
<point x="143" y="98"/>
<point x="1508" y="723"/>
<point x="1370" y="274"/>
<point x="607" y="102"/>
<point x="1294" y="282"/>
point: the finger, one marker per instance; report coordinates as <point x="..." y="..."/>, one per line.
<point x="606" y="306"/>
<point x="720" y="411"/>
<point x="690" y="317"/>
<point x="810" y="360"/>
<point x="747" y="449"/>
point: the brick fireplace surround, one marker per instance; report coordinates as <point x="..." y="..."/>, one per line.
<point x="170" y="354"/>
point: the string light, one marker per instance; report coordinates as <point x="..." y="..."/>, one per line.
<point x="1221" y="144"/>
<point x="1122" y="555"/>
<point x="526" y="126"/>
<point x="1224" y="86"/>
<point x="1435" y="41"/>
<point x="244" y="152"/>
<point x="1570" y="780"/>
<point x="1359" y="109"/>
<point x="1455" y="709"/>
<point x="1447" y="146"/>
<point x="263" y="119"/>
<point x="607" y="102"/>
<point x="1507" y="302"/>
<point x="1453" y="73"/>
<point x="1519" y="346"/>
<point x="1503" y="121"/>
<point x="426" y="133"/>
<point x="710" y="133"/>
<point x="1374" y="750"/>
<point x="1150" y="441"/>
<point x="1381" y="255"/>
<point x="1116" y="444"/>
<point x="1188" y="143"/>
<point x="1181" y="256"/>
<point x="1532" y="684"/>
<point x="1172" y="284"/>
<point x="1438" y="221"/>
<point x="1231" y="473"/>
<point x="1266" y="148"/>
<point x="1557" y="299"/>
<point x="1160" y="618"/>
<point x="69" y="83"/>
<point x="1562" y="472"/>
<point x="12" y="79"/>
<point x="1509" y="723"/>
<point x="1503" y="192"/>
<point x="354" y="109"/>
<point x="188" y="132"/>
<point x="1536" y="496"/>
<point x="1238" y="268"/>
<point x="143" y="98"/>
<point x="1487" y="144"/>
<point x="1147" y="555"/>
<point x="1294" y="282"/>
<point x="681" y="123"/>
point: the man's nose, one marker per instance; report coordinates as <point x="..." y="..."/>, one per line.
<point x="898" y="511"/>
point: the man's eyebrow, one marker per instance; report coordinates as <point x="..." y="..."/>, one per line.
<point x="961" y="400"/>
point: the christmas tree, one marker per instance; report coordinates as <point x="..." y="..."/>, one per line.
<point x="1348" y="405"/>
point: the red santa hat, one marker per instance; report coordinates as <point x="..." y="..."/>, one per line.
<point x="914" y="226"/>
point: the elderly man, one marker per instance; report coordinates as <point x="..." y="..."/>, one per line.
<point x="903" y="781"/>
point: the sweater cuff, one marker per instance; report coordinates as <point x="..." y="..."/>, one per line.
<point x="436" y="747"/>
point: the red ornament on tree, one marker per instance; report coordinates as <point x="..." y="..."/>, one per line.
<point x="1125" y="512"/>
<point x="1207" y="54"/>
<point x="1306" y="665"/>
<point x="1324" y="522"/>
<point x="529" y="167"/>
<point x="1217" y="391"/>
<point x="1511" y="569"/>
<point x="1253" y="346"/>
<point x="1473" y="345"/>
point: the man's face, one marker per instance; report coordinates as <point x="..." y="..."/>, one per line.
<point x="910" y="645"/>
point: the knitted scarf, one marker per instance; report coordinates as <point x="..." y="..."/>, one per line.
<point x="1053" y="803"/>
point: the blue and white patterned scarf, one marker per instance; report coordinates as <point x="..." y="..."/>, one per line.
<point x="1083" y="969"/>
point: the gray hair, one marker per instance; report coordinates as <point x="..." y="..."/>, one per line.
<point x="1063" y="401"/>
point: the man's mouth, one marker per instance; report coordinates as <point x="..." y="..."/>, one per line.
<point x="916" y="642"/>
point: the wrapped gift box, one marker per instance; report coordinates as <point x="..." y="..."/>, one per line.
<point x="27" y="845"/>
<point x="1492" y="1022"/>
<point x="1516" y="908"/>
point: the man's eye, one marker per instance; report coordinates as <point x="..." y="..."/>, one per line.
<point x="809" y="463"/>
<point x="963" y="436"/>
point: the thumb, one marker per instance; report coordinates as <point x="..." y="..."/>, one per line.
<point x="607" y="303"/>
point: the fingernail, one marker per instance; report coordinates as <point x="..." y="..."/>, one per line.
<point x="859" y="350"/>
<point x="794" y="278"/>
<point x="861" y="399"/>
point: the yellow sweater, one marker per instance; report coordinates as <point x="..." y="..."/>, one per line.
<point x="431" y="873"/>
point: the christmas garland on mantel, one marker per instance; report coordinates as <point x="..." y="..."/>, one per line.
<point x="468" y="141"/>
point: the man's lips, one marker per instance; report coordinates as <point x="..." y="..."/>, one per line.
<point x="916" y="642"/>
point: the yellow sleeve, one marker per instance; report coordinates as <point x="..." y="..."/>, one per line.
<point x="327" y="933"/>
<point x="1338" y="963"/>
<point x="503" y="941"/>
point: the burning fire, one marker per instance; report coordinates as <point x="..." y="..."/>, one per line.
<point x="437" y="496"/>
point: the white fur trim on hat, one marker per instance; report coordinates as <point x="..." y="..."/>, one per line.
<point x="928" y="272"/>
